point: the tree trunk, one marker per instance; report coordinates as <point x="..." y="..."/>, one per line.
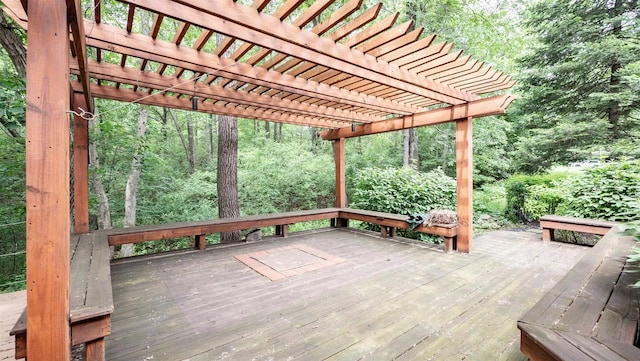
<point x="191" y="136"/>
<point x="210" y="128"/>
<point x="12" y="43"/>
<point x="267" y="130"/>
<point x="104" y="213"/>
<point x="131" y="189"/>
<point x="185" y="144"/>
<point x="410" y="148"/>
<point x="228" y="205"/>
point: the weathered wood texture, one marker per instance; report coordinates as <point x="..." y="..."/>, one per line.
<point x="549" y="223"/>
<point x="91" y="297"/>
<point x="464" y="181"/>
<point x="339" y="218"/>
<point x="341" y="178"/>
<point x="389" y="300"/>
<point x="348" y="67"/>
<point x="47" y="178"/>
<point x="592" y="313"/>
<point x="80" y="168"/>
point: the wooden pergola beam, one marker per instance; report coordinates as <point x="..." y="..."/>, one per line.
<point x="126" y="95"/>
<point x="155" y="81"/>
<point x="74" y="14"/>
<point x="229" y="17"/>
<point x="478" y="108"/>
<point x="108" y="37"/>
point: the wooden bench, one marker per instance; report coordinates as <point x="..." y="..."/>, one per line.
<point x="389" y="222"/>
<point x="91" y="298"/>
<point x="592" y="313"/>
<point x="549" y="223"/>
<point x="200" y="229"/>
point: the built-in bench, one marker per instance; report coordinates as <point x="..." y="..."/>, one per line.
<point x="389" y="222"/>
<point x="90" y="283"/>
<point x="549" y="223"/>
<point x="91" y="298"/>
<point x="592" y="313"/>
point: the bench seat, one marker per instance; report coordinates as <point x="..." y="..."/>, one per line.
<point x="91" y="298"/>
<point x="592" y="313"/>
<point x="447" y="231"/>
<point x="549" y="223"/>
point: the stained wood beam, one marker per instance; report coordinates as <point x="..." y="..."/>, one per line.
<point x="464" y="183"/>
<point x="80" y="168"/>
<point x="74" y="14"/>
<point x="152" y="80"/>
<point x="478" y="108"/>
<point x="47" y="182"/>
<point x="340" y="172"/>
<point x="108" y="37"/>
<point x="160" y="100"/>
<point x="229" y="17"/>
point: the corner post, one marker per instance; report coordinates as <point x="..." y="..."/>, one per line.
<point x="464" y="180"/>
<point x="80" y="167"/>
<point x="47" y="180"/>
<point x="341" y="188"/>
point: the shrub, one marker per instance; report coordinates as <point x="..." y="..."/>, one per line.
<point x="528" y="196"/>
<point x="402" y="191"/>
<point x="607" y="192"/>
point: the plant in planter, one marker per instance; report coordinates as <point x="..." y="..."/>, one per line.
<point x="633" y="229"/>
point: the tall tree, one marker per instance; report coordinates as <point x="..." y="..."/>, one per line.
<point x="228" y="205"/>
<point x="227" y="172"/>
<point x="579" y="80"/>
<point x="131" y="190"/>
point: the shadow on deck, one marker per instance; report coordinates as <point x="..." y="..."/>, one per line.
<point x="341" y="295"/>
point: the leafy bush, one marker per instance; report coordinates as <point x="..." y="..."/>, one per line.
<point x="543" y="199"/>
<point x="530" y="196"/>
<point x="402" y="191"/>
<point x="607" y="192"/>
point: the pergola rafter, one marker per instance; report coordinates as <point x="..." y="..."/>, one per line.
<point x="350" y="74"/>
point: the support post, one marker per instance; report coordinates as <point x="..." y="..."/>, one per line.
<point x="201" y="242"/>
<point x="80" y="167"/>
<point x="47" y="181"/>
<point x="341" y="188"/>
<point x="464" y="179"/>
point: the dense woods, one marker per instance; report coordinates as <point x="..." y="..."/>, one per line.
<point x="577" y="65"/>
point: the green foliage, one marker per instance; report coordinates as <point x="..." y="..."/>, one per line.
<point x="608" y="192"/>
<point x="578" y="82"/>
<point x="12" y="105"/>
<point x="531" y="196"/>
<point x="402" y="191"/>
<point x="276" y="177"/>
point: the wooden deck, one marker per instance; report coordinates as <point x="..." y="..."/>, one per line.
<point x="383" y="301"/>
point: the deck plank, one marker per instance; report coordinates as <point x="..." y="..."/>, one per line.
<point x="388" y="300"/>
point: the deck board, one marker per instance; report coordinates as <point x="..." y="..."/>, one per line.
<point x="388" y="301"/>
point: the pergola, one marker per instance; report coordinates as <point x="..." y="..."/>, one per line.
<point x="332" y="67"/>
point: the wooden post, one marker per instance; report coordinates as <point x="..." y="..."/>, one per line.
<point x="47" y="198"/>
<point x="341" y="188"/>
<point x="201" y="242"/>
<point x="80" y="167"/>
<point x="464" y="178"/>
